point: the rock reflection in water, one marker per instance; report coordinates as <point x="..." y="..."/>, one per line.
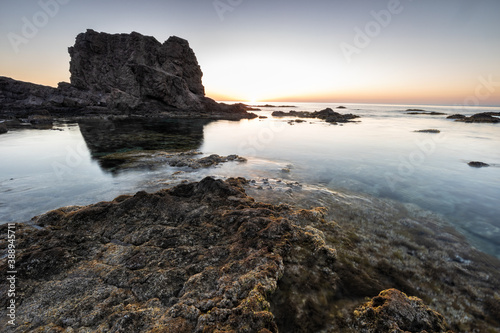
<point x="111" y="141"/>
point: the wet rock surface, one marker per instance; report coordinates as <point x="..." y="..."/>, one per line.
<point x="484" y="117"/>
<point x="327" y="115"/>
<point x="206" y="257"/>
<point x="394" y="311"/>
<point x="192" y="160"/>
<point x="381" y="245"/>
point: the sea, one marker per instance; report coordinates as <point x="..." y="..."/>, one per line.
<point x="381" y="154"/>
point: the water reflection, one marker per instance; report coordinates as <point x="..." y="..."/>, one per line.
<point x="110" y="142"/>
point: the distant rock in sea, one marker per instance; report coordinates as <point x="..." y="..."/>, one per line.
<point x="275" y="106"/>
<point x="125" y="74"/>
<point x="456" y="116"/>
<point x="476" y="164"/>
<point x="484" y="117"/>
<point x="423" y="112"/>
<point x="432" y="130"/>
<point x="327" y="115"/>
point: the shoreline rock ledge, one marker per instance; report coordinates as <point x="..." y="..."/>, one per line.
<point x="199" y="257"/>
<point x="124" y="74"/>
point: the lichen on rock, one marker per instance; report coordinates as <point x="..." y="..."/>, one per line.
<point x="207" y="257"/>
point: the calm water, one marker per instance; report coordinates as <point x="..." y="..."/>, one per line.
<point x="381" y="155"/>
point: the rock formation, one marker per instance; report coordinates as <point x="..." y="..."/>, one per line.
<point x="122" y="74"/>
<point x="393" y="311"/>
<point x="327" y="115"/>
<point x="476" y="164"/>
<point x="206" y="257"/>
<point x="484" y="117"/>
<point x="133" y="68"/>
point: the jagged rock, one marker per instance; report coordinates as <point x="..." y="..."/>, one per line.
<point x="23" y="98"/>
<point x="124" y="74"/>
<point x="393" y="311"/>
<point x="133" y="66"/>
<point x="200" y="257"/>
<point x="206" y="257"/>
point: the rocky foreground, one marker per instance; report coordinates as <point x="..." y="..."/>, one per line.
<point x="206" y="257"/>
<point x="121" y="75"/>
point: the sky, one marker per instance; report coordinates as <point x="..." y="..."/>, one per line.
<point x="366" y="51"/>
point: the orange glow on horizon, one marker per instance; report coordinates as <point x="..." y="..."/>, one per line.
<point x="425" y="95"/>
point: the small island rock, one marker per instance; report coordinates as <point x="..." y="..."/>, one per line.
<point x="476" y="164"/>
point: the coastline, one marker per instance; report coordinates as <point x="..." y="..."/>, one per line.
<point x="215" y="257"/>
<point x="205" y="253"/>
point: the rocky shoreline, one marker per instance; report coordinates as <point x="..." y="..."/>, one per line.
<point x="207" y="257"/>
<point x="119" y="75"/>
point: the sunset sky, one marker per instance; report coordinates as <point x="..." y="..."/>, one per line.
<point x="367" y="51"/>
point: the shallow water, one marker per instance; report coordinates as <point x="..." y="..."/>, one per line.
<point x="381" y="156"/>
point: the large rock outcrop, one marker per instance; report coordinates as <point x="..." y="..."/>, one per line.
<point x="138" y="68"/>
<point x="126" y="74"/>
